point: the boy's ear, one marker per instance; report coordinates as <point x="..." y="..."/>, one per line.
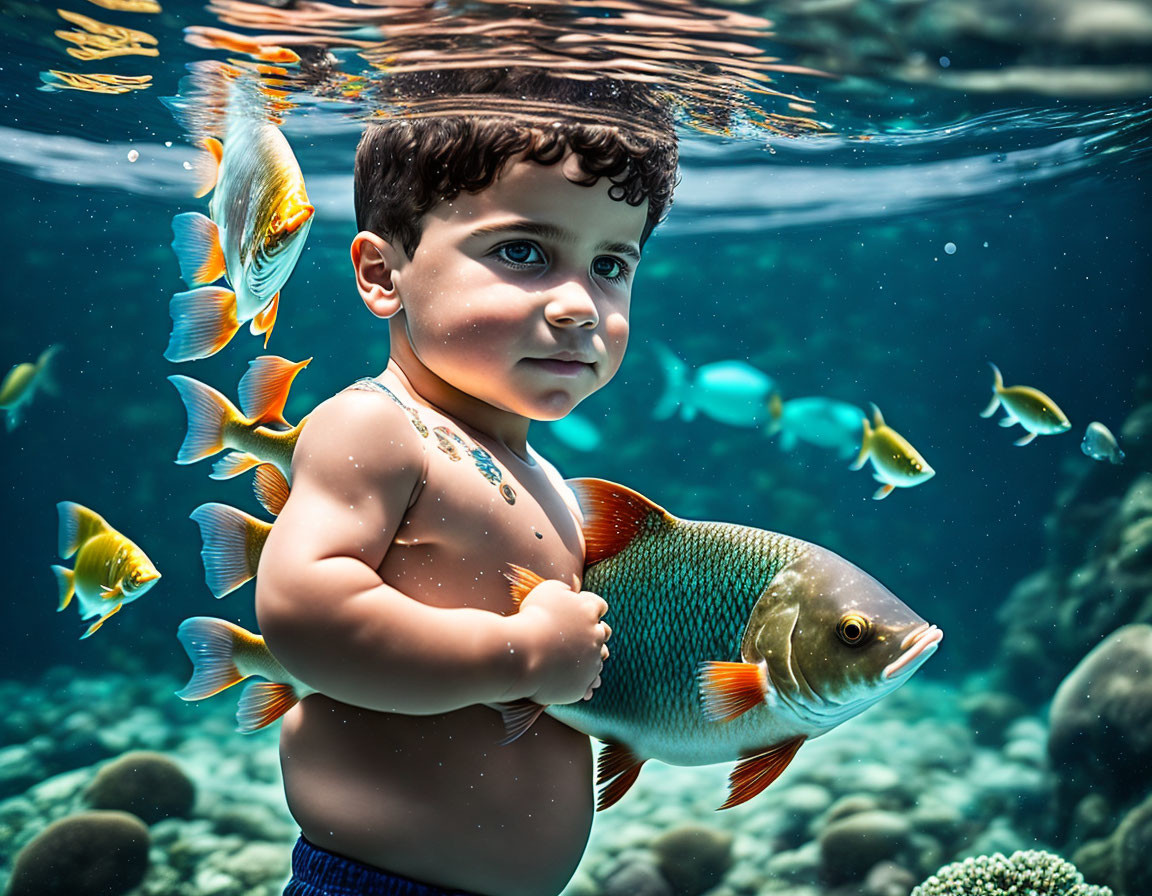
<point x="375" y="260"/>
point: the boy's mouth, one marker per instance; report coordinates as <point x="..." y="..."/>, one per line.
<point x="563" y="363"/>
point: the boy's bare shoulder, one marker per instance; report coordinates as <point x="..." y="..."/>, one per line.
<point x="360" y="434"/>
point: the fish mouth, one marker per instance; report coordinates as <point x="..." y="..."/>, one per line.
<point x="918" y="645"/>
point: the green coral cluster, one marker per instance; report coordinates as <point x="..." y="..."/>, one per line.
<point x="1025" y="873"/>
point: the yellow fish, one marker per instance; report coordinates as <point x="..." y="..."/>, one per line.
<point x="224" y="654"/>
<point x="258" y="221"/>
<point x="1029" y="407"/>
<point x="257" y="430"/>
<point x="896" y="464"/>
<point x="21" y="383"/>
<point x="110" y="570"/>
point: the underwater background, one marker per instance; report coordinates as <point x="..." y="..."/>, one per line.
<point x="980" y="194"/>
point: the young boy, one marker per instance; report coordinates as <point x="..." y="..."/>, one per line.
<point x="501" y="251"/>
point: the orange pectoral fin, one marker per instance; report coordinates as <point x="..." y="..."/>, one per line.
<point x="617" y="768"/>
<point x="196" y="242"/>
<point x="613" y="516"/>
<point x="271" y="488"/>
<point x="519" y="716"/>
<point x="728" y="690"/>
<point x="265" y="319"/>
<point x="262" y="703"/>
<point x="753" y="773"/>
<point x="522" y="582"/>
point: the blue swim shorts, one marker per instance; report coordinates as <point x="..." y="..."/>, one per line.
<point x="317" y="872"/>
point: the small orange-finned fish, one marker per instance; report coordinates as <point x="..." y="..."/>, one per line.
<point x="895" y="463"/>
<point x="224" y="654"/>
<point x="110" y="570"/>
<point x="1029" y="407"/>
<point x="728" y="642"/>
<point x="257" y="430"/>
<point x="257" y="223"/>
<point x="21" y="383"/>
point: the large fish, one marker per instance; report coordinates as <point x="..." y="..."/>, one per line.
<point x="728" y="643"/>
<point x="258" y="220"/>
<point x="1031" y="408"/>
<point x="110" y="570"/>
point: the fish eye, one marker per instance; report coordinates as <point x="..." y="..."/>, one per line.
<point x="852" y="629"/>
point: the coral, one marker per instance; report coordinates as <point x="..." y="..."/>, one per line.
<point x="149" y="785"/>
<point x="1024" y="873"/>
<point x="91" y="853"/>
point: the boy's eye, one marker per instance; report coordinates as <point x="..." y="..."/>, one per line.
<point x="608" y="267"/>
<point x="521" y="253"/>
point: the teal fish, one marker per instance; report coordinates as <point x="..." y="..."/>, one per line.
<point x="728" y="643"/>
<point x="22" y="382"/>
<point x="1029" y="407"/>
<point x="257" y="223"/>
<point x="731" y="392"/>
<point x="819" y="421"/>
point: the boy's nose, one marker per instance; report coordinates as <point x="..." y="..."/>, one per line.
<point x="570" y="305"/>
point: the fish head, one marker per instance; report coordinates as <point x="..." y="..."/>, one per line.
<point x="141" y="576"/>
<point x="290" y="220"/>
<point x="833" y="639"/>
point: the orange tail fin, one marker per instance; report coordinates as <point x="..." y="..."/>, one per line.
<point x="203" y="322"/>
<point x="211" y="646"/>
<point x="264" y="388"/>
<point x="208" y="414"/>
<point x="233" y="542"/>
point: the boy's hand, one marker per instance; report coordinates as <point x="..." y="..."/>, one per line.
<point x="565" y="642"/>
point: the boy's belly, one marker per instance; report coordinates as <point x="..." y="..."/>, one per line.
<point x="437" y="799"/>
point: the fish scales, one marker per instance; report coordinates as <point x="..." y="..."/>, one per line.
<point x="676" y="600"/>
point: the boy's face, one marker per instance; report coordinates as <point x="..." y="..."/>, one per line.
<point x="519" y="294"/>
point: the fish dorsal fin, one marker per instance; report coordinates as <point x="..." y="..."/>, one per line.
<point x="263" y="389"/>
<point x="77" y="525"/>
<point x="877" y="417"/>
<point x="617" y="768"/>
<point x="753" y="773"/>
<point x="613" y="516"/>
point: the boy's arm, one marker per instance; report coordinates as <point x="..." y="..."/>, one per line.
<point x="333" y="622"/>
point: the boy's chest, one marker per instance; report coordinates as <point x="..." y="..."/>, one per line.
<point x="476" y="514"/>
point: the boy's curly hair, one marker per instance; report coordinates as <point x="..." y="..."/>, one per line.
<point x="456" y="130"/>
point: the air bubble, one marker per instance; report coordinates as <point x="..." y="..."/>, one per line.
<point x="133" y="155"/>
<point x="950" y="248"/>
